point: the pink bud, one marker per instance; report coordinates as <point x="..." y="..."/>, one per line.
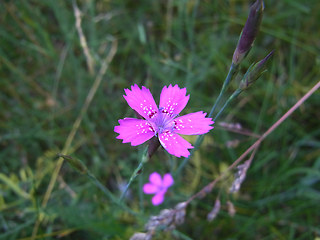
<point x="249" y="32"/>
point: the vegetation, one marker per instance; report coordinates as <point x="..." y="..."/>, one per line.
<point x="63" y="68"/>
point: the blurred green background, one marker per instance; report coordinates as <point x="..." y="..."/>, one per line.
<point x="45" y="81"/>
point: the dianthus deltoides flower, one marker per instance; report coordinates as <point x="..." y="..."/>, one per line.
<point x="163" y="122"/>
<point x="158" y="186"/>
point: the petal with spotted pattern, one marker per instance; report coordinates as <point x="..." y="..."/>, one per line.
<point x="193" y="124"/>
<point x="142" y="101"/>
<point x="175" y="144"/>
<point x="135" y="131"/>
<point x="173" y="99"/>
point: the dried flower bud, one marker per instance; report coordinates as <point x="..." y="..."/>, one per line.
<point x="165" y="218"/>
<point x="180" y="213"/>
<point x="231" y="209"/>
<point x="139" y="236"/>
<point x="254" y="72"/>
<point x="181" y="206"/>
<point x="214" y="212"/>
<point x="235" y="126"/>
<point x="240" y="176"/>
<point x="75" y="163"/>
<point x="249" y="32"/>
<point x="232" y="143"/>
<point x="152" y="224"/>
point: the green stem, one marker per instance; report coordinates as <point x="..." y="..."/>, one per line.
<point x="137" y="171"/>
<point x="233" y="96"/>
<point x="232" y="71"/>
<point x="141" y="197"/>
<point x="109" y="194"/>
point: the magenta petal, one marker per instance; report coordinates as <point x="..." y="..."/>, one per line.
<point x="155" y="178"/>
<point x="175" y="144"/>
<point x="173" y="99"/>
<point x="135" y="131"/>
<point x="158" y="198"/>
<point x="167" y="180"/>
<point x="193" y="124"/>
<point x="149" y="188"/>
<point x="141" y="100"/>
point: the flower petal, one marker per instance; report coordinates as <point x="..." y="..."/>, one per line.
<point x="158" y="198"/>
<point x="173" y="99"/>
<point x="141" y="100"/>
<point x="149" y="188"/>
<point x="167" y="180"/>
<point x="135" y="131"/>
<point x="155" y="178"/>
<point x="193" y="124"/>
<point x="175" y="144"/>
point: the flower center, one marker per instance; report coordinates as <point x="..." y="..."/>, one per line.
<point x="163" y="122"/>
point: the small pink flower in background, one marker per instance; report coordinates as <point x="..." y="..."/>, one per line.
<point x="162" y="122"/>
<point x="158" y="186"/>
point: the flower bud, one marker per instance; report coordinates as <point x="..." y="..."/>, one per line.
<point x="240" y="176"/>
<point x="254" y="72"/>
<point x="214" y="212"/>
<point x="75" y="163"/>
<point x="180" y="213"/>
<point x="249" y="32"/>
<point x="231" y="209"/>
<point x="139" y="236"/>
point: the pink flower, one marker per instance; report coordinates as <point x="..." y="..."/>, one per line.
<point x="158" y="186"/>
<point x="162" y="122"/>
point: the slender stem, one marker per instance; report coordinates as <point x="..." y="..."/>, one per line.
<point x="233" y="96"/>
<point x="79" y="166"/>
<point x="208" y="188"/>
<point x="109" y="194"/>
<point x="232" y="71"/>
<point x="82" y="38"/>
<point x="145" y="157"/>
<point x="141" y="197"/>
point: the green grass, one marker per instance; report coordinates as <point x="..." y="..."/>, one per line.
<point x="45" y="82"/>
